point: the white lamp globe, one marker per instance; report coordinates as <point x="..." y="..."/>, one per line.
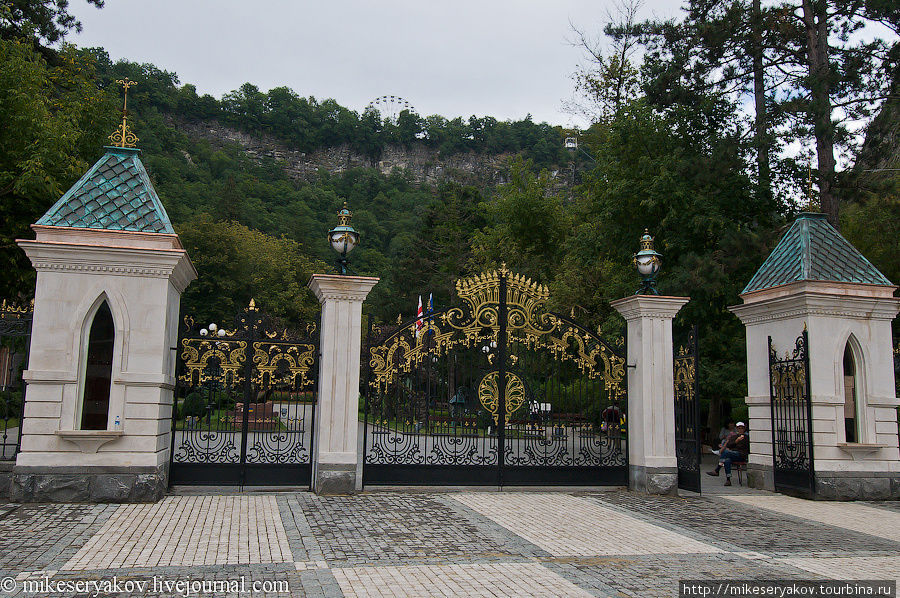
<point x="647" y="265"/>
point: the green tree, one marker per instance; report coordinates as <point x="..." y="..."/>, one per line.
<point x="55" y="121"/>
<point x="40" y="21"/>
<point x="818" y="66"/>
<point x="236" y="264"/>
<point x="683" y="175"/>
<point x="529" y="225"/>
<point x="610" y="78"/>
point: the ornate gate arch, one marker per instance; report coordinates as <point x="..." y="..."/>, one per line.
<point x="497" y="390"/>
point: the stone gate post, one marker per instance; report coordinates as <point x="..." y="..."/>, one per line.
<point x="652" y="465"/>
<point x="335" y="451"/>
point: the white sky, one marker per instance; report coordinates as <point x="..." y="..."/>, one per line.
<point x="503" y="58"/>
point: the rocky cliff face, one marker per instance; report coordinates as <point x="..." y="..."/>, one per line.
<point x="424" y="164"/>
<point x="881" y="149"/>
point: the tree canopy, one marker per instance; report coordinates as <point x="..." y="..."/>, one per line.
<point x="690" y="140"/>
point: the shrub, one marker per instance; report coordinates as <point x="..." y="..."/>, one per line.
<point x="194" y="405"/>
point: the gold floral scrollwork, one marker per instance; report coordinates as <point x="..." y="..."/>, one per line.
<point x="684" y="377"/>
<point x="16" y="311"/>
<point x="489" y="393"/>
<point x="272" y="359"/>
<point x="476" y="322"/>
<point x="196" y="354"/>
<point x="788" y="382"/>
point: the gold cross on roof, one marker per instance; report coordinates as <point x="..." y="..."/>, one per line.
<point x="123" y="137"/>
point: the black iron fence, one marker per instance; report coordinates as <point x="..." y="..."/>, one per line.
<point x="792" y="426"/>
<point x="15" y="338"/>
<point x="687" y="412"/>
<point x="245" y="403"/>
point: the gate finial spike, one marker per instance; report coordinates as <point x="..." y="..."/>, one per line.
<point x="252" y="303"/>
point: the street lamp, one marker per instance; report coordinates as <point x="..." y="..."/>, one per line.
<point x="343" y="238"/>
<point x="647" y="263"/>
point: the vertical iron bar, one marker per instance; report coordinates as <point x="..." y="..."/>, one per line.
<point x="501" y="382"/>
<point x="312" y="408"/>
<point x="175" y="408"/>
<point x="624" y="407"/>
<point x="695" y="414"/>
<point x="809" y="419"/>
<point x="24" y="385"/>
<point x="366" y="382"/>
<point x="248" y="392"/>
<point x="772" y="409"/>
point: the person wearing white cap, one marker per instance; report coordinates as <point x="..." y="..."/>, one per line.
<point x="736" y="450"/>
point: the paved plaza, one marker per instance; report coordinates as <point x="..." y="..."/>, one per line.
<point x="408" y="543"/>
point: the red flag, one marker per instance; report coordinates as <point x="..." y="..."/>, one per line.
<point x="420" y="314"/>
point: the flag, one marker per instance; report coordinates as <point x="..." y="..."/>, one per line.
<point x="420" y="318"/>
<point x="430" y="304"/>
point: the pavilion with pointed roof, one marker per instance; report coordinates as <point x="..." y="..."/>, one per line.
<point x="816" y="285"/>
<point x="114" y="194"/>
<point x="813" y="250"/>
<point x="110" y="274"/>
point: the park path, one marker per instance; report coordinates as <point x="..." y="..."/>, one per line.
<point x="395" y="543"/>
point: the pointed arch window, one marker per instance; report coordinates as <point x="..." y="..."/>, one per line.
<point x="98" y="371"/>
<point x="851" y="384"/>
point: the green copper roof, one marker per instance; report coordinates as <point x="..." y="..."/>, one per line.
<point x="812" y="249"/>
<point x="115" y="194"/>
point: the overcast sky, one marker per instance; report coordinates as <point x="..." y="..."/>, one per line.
<point x="504" y="58"/>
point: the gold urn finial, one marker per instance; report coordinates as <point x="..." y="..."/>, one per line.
<point x="123" y="137"/>
<point x="647" y="240"/>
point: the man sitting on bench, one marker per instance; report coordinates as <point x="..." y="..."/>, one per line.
<point x="736" y="451"/>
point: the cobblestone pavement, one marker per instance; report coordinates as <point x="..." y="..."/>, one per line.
<point x="862" y="518"/>
<point x="438" y="544"/>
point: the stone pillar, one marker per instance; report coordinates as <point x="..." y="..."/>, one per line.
<point x="652" y="465"/>
<point x="140" y="276"/>
<point x="336" y="453"/>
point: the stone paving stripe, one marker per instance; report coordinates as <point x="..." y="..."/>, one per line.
<point x="188" y="531"/>
<point x="861" y="518"/>
<point x="566" y="525"/>
<point x="846" y="568"/>
<point x="481" y="579"/>
<point x="736" y="527"/>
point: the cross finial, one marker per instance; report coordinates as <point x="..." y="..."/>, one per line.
<point x="123" y="137"/>
<point x="809" y="193"/>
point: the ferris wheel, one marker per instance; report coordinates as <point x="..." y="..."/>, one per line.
<point x="390" y="107"/>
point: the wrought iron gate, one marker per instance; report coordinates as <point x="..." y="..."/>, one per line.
<point x="792" y="431"/>
<point x="497" y="391"/>
<point x="15" y="341"/>
<point x="245" y="403"/>
<point x="687" y="414"/>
